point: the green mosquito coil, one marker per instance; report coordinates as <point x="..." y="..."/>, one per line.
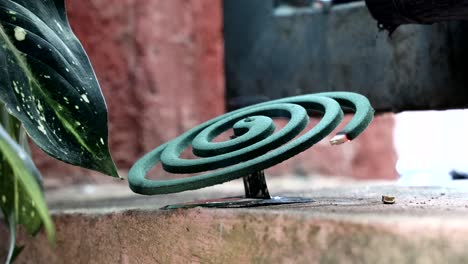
<point x="255" y="146"/>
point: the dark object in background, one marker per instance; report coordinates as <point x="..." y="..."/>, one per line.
<point x="243" y="101"/>
<point x="295" y="3"/>
<point x="392" y="13"/>
<point x="285" y="54"/>
<point x="457" y="175"/>
<point x="309" y="3"/>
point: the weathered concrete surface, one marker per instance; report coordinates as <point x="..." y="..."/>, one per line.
<point x="346" y="224"/>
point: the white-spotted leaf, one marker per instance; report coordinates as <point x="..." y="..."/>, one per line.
<point x="47" y="82"/>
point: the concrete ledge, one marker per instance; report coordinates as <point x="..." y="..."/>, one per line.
<point x="345" y="225"/>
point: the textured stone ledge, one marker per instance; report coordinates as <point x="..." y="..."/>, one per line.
<point x="346" y="224"/>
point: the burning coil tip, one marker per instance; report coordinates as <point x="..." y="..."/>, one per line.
<point x="339" y="139"/>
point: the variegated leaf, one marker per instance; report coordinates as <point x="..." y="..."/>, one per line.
<point x="47" y="82"/>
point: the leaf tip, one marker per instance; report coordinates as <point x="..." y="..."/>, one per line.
<point x="108" y="167"/>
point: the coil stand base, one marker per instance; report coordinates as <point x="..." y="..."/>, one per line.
<point x="240" y="202"/>
<point x="256" y="194"/>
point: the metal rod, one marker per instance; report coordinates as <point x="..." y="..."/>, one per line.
<point x="255" y="186"/>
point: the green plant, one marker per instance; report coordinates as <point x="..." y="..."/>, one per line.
<point x="47" y="87"/>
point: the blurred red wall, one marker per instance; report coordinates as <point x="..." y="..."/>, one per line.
<point x="160" y="66"/>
